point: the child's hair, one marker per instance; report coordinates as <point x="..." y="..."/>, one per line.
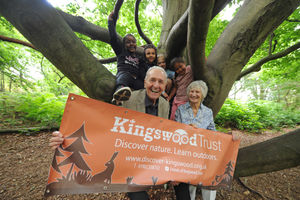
<point x="150" y="46"/>
<point x="176" y="60"/>
<point x="161" y="55"/>
<point x="127" y="35"/>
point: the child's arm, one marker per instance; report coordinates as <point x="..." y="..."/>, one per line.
<point x="173" y="92"/>
<point x="117" y="47"/>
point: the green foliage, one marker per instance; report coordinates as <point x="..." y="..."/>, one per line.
<point x="44" y="108"/>
<point x="256" y="115"/>
<point x="236" y="115"/>
<point x="275" y="115"/>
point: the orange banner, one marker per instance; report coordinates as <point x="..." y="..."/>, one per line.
<point x="113" y="149"/>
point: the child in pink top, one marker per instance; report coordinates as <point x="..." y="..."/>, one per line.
<point x="183" y="79"/>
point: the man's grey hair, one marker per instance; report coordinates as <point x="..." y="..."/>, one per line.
<point x="198" y="85"/>
<point x="159" y="68"/>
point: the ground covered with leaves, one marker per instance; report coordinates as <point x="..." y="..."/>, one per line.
<point x="25" y="161"/>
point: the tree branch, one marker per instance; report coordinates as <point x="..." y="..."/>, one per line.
<point x="13" y="40"/>
<point x="137" y="23"/>
<point x="198" y="23"/>
<point x="179" y="30"/>
<point x="117" y="8"/>
<point x="257" y="66"/>
<point x="81" y="25"/>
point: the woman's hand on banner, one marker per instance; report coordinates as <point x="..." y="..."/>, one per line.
<point x="56" y="139"/>
<point x="193" y="125"/>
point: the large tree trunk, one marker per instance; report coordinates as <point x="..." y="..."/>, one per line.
<point x="58" y="43"/>
<point x="272" y="155"/>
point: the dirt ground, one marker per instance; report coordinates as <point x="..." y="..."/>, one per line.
<point x="25" y="161"/>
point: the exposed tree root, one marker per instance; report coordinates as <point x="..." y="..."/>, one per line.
<point x="252" y="190"/>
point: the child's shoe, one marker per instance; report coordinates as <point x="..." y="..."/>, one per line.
<point x="117" y="103"/>
<point x="122" y="94"/>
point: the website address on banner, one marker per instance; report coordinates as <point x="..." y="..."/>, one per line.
<point x="167" y="162"/>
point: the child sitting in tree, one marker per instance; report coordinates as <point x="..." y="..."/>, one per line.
<point x="161" y="61"/>
<point x="128" y="62"/>
<point x="150" y="58"/>
<point x="150" y="55"/>
<point x="183" y="79"/>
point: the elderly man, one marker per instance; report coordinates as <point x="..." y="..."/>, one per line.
<point x="148" y="101"/>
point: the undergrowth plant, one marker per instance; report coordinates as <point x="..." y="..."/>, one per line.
<point x="255" y="115"/>
<point x="44" y="108"/>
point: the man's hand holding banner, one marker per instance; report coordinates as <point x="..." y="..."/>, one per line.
<point x="113" y="149"/>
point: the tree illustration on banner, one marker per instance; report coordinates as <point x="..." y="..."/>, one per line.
<point x="54" y="162"/>
<point x="77" y="148"/>
<point x="225" y="178"/>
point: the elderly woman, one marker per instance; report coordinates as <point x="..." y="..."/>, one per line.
<point x="198" y="115"/>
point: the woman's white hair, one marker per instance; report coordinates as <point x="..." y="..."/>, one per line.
<point x="156" y="67"/>
<point x="198" y="85"/>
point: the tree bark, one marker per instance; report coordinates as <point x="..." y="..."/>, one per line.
<point x="269" y="156"/>
<point x="58" y="43"/>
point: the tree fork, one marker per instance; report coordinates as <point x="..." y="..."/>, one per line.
<point x="179" y="31"/>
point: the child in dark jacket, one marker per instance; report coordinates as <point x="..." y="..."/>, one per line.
<point x="128" y="62"/>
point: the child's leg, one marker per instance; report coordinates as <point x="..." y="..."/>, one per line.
<point x="123" y="83"/>
<point x="124" y="79"/>
<point x="138" y="84"/>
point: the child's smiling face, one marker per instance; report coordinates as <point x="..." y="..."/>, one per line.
<point x="150" y="55"/>
<point x="180" y="68"/>
<point x="130" y="43"/>
<point x="161" y="62"/>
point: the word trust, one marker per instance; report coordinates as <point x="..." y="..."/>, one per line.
<point x="180" y="136"/>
